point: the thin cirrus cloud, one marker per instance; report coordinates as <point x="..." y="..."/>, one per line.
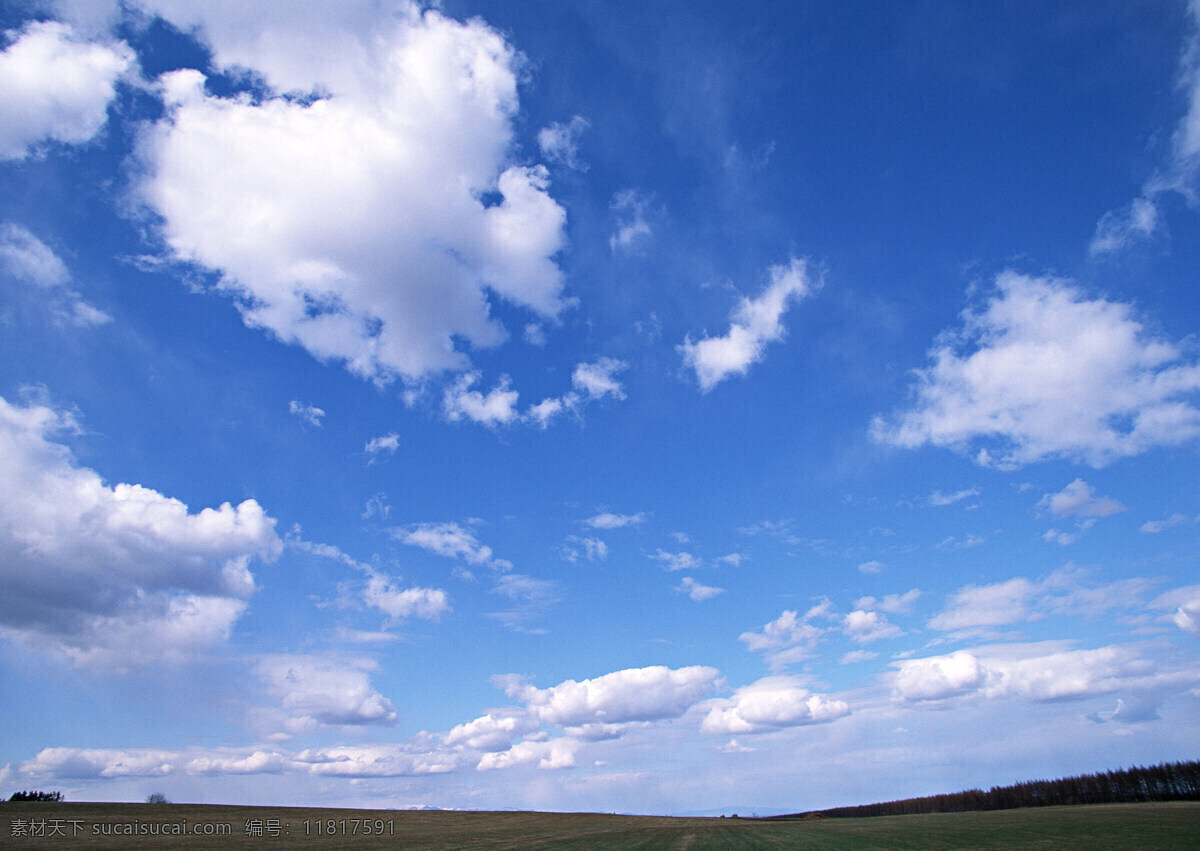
<point x="382" y="260"/>
<point x="1119" y="229"/>
<point x="25" y="259"/>
<point x="1043" y="371"/>
<point x="755" y="323"/>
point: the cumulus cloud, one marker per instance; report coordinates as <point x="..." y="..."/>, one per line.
<point x="608" y="520"/>
<point x="755" y="323"/>
<point x="384" y="594"/>
<point x="560" y="142"/>
<point x="1077" y="500"/>
<point x="383" y="260"/>
<point x="55" y="87"/>
<point x="872" y="567"/>
<point x="769" y="704"/>
<point x="863" y="627"/>
<point x="114" y="576"/>
<point x="491" y="733"/>
<point x="1033" y="672"/>
<point x="1043" y="371"/>
<point x="324" y="691"/>
<point x="25" y="259"/>
<point x="697" y="592"/>
<point x="632" y="695"/>
<point x="496" y="407"/>
<point x="591" y="381"/>
<point x="554" y="754"/>
<point x="787" y="639"/>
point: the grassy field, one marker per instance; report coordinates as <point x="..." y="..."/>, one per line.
<point x="1125" y="826"/>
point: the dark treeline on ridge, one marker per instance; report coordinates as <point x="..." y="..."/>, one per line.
<point x="1176" y="781"/>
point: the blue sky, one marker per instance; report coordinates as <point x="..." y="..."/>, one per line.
<point x="577" y="406"/>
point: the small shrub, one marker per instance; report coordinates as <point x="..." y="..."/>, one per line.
<point x="157" y="798"/>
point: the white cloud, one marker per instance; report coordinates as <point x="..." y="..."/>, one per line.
<point x="1044" y="372"/>
<point x="976" y="606"/>
<point x="491" y="733"/>
<point x="452" y="541"/>
<point x="893" y="603"/>
<point x="594" y="549"/>
<point x="607" y="520"/>
<point x="498" y="407"/>
<point x="855" y="656"/>
<point x="676" y="561"/>
<point x="55" y="87"/>
<point x="1077" y="500"/>
<point x="373" y="761"/>
<point x="769" y="704"/>
<point x="26" y="259"/>
<point x="633" y="231"/>
<point x="1033" y="672"/>
<point x="864" y="627"/>
<point x="789" y="638"/>
<point x="531" y="598"/>
<point x="1187" y="617"/>
<point x="871" y="567"/>
<point x="732" y="559"/>
<point x="324" y="690"/>
<point x="1153" y="527"/>
<point x="114" y="576"/>
<point x="937" y="498"/>
<point x="385" y="444"/>
<point x="596" y="379"/>
<point x="356" y="225"/>
<point x="383" y="594"/>
<point x="554" y="754"/>
<point x="975" y="609"/>
<point x="1117" y="229"/>
<point x="310" y="414"/>
<point x="755" y="323"/>
<point x="699" y="593"/>
<point x="632" y="695"/>
<point x="591" y="381"/>
<point x="560" y="142"/>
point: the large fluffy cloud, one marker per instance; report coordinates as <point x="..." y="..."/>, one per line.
<point x="321" y="690"/>
<point x="1031" y="671"/>
<point x="371" y="224"/>
<point x="771" y="703"/>
<point x="755" y="323"/>
<point x="113" y="575"/>
<point x="1043" y="371"/>
<point x="634" y="694"/>
<point x="55" y="87"/>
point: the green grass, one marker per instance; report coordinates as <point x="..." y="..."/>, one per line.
<point x="1124" y="826"/>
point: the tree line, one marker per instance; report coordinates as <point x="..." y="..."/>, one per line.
<point x="1173" y="781"/>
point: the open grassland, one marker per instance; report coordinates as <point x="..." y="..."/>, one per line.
<point x="83" y="825"/>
